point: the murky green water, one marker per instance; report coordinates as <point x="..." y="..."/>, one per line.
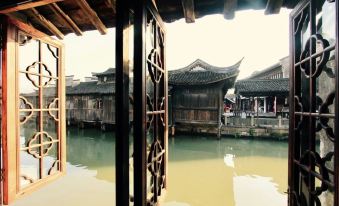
<point x="202" y="172"/>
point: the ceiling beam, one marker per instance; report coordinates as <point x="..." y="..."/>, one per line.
<point x="27" y="4"/>
<point x="92" y="16"/>
<point x="230" y="6"/>
<point x="111" y="4"/>
<point x="188" y="7"/>
<point x="64" y="18"/>
<point x="46" y="23"/>
<point x="273" y="6"/>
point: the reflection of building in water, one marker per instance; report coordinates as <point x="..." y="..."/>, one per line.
<point x="197" y="93"/>
<point x="264" y="93"/>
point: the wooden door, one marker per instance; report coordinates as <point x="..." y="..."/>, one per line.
<point x="141" y="40"/>
<point x="314" y="108"/>
<point x="33" y="109"/>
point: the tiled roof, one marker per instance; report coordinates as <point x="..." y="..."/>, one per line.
<point x="91" y="88"/>
<point x="262" y="87"/>
<point x="200" y="72"/>
<point x="107" y="72"/>
<point x="258" y="74"/>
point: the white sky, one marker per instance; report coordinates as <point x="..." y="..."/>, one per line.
<point x="261" y="39"/>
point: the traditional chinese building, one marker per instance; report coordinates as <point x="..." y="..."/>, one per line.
<point x="92" y="101"/>
<point x="265" y="92"/>
<point x="312" y="174"/>
<point x="197" y="93"/>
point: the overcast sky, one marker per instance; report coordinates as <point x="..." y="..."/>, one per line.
<point x="262" y="40"/>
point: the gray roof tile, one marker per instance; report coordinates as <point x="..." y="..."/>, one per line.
<point x="200" y="72"/>
<point x="259" y="87"/>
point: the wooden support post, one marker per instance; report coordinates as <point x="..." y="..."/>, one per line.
<point x="257" y="110"/>
<point x="188" y="7"/>
<point x="92" y="16"/>
<point x="46" y="23"/>
<point x="173" y="130"/>
<point x="65" y="19"/>
<point x="229" y="8"/>
<point x="275" y="106"/>
<point x="123" y="100"/>
<point x="279" y="121"/>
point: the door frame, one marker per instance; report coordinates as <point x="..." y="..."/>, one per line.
<point x="296" y="143"/>
<point x="10" y="114"/>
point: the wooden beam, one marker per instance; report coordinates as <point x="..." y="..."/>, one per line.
<point x="111" y="4"/>
<point x="273" y="6"/>
<point x="92" y="16"/>
<point x="188" y="7"/>
<point x="28" y="4"/>
<point x="64" y="18"/>
<point x="230" y="7"/>
<point x="46" y="23"/>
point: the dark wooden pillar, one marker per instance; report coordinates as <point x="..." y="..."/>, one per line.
<point x="122" y="102"/>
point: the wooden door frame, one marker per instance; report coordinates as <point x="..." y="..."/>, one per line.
<point x="10" y="95"/>
<point x="296" y="144"/>
<point x="122" y="102"/>
<point x="139" y="10"/>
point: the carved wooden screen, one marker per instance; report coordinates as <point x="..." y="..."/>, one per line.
<point x="150" y="127"/>
<point x="150" y="92"/>
<point x="156" y="105"/>
<point x="313" y="141"/>
<point x="33" y="113"/>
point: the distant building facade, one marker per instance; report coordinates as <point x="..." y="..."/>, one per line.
<point x="264" y="93"/>
<point x="197" y="95"/>
<point x="92" y="101"/>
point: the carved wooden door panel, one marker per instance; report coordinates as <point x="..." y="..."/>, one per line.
<point x="33" y="112"/>
<point x="139" y="24"/>
<point x="314" y="114"/>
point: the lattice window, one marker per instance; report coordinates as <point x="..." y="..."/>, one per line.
<point x="313" y="174"/>
<point x="34" y="111"/>
<point x="156" y="94"/>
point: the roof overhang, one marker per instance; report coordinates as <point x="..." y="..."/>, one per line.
<point x="60" y="17"/>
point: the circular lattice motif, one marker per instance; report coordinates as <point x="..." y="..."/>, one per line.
<point x="300" y="108"/>
<point x="150" y="108"/>
<point x="155" y="65"/>
<point x="40" y="140"/>
<point x="313" y="158"/>
<point x="162" y="107"/>
<point x="25" y="104"/>
<point x="155" y="158"/>
<point x="34" y="69"/>
<point x="54" y="105"/>
<point x="321" y="62"/>
<point x="323" y="122"/>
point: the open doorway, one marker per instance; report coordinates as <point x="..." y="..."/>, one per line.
<point x="222" y="152"/>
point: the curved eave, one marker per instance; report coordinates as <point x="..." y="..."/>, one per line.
<point x="206" y="83"/>
<point x="207" y="67"/>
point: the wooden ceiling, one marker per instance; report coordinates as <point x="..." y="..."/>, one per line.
<point x="60" y="17"/>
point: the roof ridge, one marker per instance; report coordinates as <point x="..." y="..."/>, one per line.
<point x="207" y="67"/>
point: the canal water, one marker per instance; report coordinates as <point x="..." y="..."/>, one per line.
<point x="203" y="171"/>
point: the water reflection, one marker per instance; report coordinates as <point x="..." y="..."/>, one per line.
<point x="202" y="171"/>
